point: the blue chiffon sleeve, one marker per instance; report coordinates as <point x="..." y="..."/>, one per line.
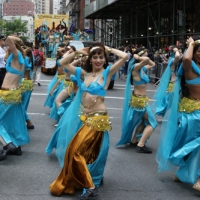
<point x="128" y="91"/>
<point x="168" y="132"/>
<point x="161" y="91"/>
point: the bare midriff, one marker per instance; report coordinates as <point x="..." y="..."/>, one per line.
<point x="92" y="103"/>
<point x="11" y="81"/>
<point x="194" y="91"/>
<point x="139" y="89"/>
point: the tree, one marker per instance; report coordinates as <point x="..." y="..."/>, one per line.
<point x="16" y="26"/>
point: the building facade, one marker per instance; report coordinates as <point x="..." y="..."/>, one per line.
<point x="75" y="10"/>
<point x="144" y="22"/>
<point x="18" y="7"/>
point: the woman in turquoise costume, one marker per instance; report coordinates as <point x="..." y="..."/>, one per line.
<point x="136" y="109"/>
<point x="56" y="44"/>
<point x="60" y="139"/>
<point x="59" y="76"/>
<point x="44" y="33"/>
<point x="164" y="94"/>
<point x="179" y="146"/>
<point x="59" y="86"/>
<point x="62" y="29"/>
<point x="87" y="145"/>
<point x="13" y="131"/>
<point x="27" y="85"/>
<point x="50" y="42"/>
<point x="66" y="96"/>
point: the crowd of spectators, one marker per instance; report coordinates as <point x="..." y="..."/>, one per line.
<point x="159" y="55"/>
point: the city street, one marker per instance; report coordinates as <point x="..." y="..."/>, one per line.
<point x="128" y="175"/>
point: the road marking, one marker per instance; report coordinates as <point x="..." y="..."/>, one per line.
<point x="114" y="108"/>
<point x="124" y="89"/>
<point x="36" y="114"/>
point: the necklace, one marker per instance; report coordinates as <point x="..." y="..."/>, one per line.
<point x="93" y="74"/>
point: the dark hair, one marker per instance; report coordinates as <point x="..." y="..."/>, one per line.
<point x="30" y="55"/>
<point x="36" y="47"/>
<point x="138" y="50"/>
<point x="184" y="89"/>
<point x="61" y="45"/>
<point x="73" y="47"/>
<point x="88" y="67"/>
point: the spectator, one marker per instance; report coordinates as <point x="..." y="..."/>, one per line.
<point x="166" y="48"/>
<point x="2" y="57"/>
<point x="39" y="62"/>
<point x="128" y="52"/>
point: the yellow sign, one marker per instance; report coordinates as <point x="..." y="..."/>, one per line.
<point x="51" y="21"/>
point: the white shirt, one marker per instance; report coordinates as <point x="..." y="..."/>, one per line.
<point x="2" y="56"/>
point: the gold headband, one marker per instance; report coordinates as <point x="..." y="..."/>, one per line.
<point x="93" y="48"/>
<point x="141" y="52"/>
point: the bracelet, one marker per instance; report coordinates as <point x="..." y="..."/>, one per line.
<point x="109" y="50"/>
<point x="192" y="44"/>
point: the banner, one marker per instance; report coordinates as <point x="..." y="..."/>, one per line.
<point x="51" y="21"/>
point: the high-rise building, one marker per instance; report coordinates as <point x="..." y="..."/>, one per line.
<point x="51" y="5"/>
<point x="18" y="7"/>
<point x="56" y="7"/>
<point x="42" y="6"/>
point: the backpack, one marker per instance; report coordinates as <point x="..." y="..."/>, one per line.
<point x="38" y="59"/>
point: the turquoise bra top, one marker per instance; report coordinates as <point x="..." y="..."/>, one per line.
<point x="195" y="80"/>
<point x="65" y="70"/>
<point x="94" y="88"/>
<point x="59" y="65"/>
<point x="28" y="64"/>
<point x="196" y="70"/>
<point x="143" y="76"/>
<point x="58" y="62"/>
<point x="12" y="70"/>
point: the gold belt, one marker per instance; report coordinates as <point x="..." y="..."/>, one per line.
<point x="138" y="101"/>
<point x="60" y="77"/>
<point x="189" y="105"/>
<point x="10" y="96"/>
<point x="98" y="120"/>
<point x="68" y="83"/>
<point x="26" y="85"/>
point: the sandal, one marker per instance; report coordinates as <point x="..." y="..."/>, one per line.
<point x="196" y="186"/>
<point x="176" y="179"/>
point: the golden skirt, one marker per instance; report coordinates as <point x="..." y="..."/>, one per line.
<point x="10" y="96"/>
<point x="82" y="150"/>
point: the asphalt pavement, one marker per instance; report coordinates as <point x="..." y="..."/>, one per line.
<point x="128" y="175"/>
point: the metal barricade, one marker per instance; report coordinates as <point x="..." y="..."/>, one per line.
<point x="156" y="72"/>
